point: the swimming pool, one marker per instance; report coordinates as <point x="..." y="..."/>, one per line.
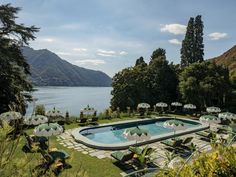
<point x="110" y="136"/>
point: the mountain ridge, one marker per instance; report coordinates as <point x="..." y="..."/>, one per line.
<point x="48" y="69"/>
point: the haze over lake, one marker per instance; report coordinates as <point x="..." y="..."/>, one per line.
<point x="72" y="99"/>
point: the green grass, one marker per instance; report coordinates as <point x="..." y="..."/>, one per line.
<point x="93" y="166"/>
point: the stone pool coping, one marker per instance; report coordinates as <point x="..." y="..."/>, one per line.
<point x="125" y="145"/>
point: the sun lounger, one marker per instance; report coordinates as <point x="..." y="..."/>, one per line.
<point x="206" y="135"/>
<point x="122" y="156"/>
<point x="35" y="141"/>
<point x="172" y="143"/>
<point x="82" y="121"/>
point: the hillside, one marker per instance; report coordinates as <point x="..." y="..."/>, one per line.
<point x="228" y="59"/>
<point x="48" y="69"/>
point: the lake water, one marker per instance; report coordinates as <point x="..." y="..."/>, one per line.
<point x="72" y="99"/>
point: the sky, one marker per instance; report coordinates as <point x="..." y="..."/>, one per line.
<point x="109" y="35"/>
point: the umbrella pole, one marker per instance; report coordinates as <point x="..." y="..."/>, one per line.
<point x="48" y="144"/>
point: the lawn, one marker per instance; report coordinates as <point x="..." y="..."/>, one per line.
<point x="92" y="166"/>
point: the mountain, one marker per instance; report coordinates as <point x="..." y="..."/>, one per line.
<point x="48" y="69"/>
<point x="228" y="59"/>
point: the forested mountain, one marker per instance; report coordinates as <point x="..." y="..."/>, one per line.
<point x="48" y="69"/>
<point x="228" y="59"/>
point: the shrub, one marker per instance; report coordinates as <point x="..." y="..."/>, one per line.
<point x="220" y="162"/>
<point x="39" y="110"/>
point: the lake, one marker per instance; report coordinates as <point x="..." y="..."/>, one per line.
<point x="72" y="99"/>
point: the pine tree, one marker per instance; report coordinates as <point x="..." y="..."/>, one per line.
<point x="187" y="54"/>
<point x="14" y="70"/>
<point x="199" y="46"/>
<point x="140" y="61"/>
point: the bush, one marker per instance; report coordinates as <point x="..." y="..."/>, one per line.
<point x="220" y="162"/>
<point x="39" y="110"/>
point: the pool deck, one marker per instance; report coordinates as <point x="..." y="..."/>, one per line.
<point x="159" y="155"/>
<point x="124" y="145"/>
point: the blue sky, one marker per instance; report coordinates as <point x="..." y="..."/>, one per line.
<point x="109" y="35"/>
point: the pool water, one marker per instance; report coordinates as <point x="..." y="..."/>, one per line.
<point x="114" y="134"/>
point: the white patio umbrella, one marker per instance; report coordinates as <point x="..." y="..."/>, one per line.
<point x="143" y="105"/>
<point x="213" y="109"/>
<point x="35" y="120"/>
<point x="209" y="119"/>
<point x="48" y="129"/>
<point x="227" y="115"/>
<point x="175" y="125"/>
<point x="11" y="115"/>
<point x="162" y="105"/>
<point x="176" y="104"/>
<point x="137" y="134"/>
<point x="54" y="113"/>
<point x="88" y="110"/>
<point x="190" y="106"/>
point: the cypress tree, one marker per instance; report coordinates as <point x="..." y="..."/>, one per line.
<point x="187" y="54"/>
<point x="199" y="46"/>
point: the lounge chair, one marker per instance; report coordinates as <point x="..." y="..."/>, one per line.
<point x="94" y="120"/>
<point x="138" y="150"/>
<point x="122" y="156"/>
<point x="57" y="158"/>
<point x="38" y="142"/>
<point x="173" y="142"/>
<point x="187" y="140"/>
<point x="82" y="121"/>
<point x="206" y="135"/>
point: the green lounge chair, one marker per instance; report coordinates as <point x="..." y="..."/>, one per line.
<point x="172" y="143"/>
<point x="122" y="156"/>
<point x="139" y="151"/>
<point x="82" y="121"/>
<point x="187" y="140"/>
<point x="94" y="121"/>
<point x="206" y="135"/>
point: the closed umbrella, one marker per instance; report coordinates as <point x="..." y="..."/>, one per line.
<point x="213" y="109"/>
<point x="137" y="134"/>
<point x="209" y="119"/>
<point x="35" y="120"/>
<point x="49" y="129"/>
<point x="175" y="125"/>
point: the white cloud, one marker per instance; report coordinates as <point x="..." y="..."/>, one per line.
<point x="106" y="53"/>
<point x="123" y="53"/>
<point x="217" y="35"/>
<point x="90" y="62"/>
<point x="174" y="28"/>
<point x="80" y="49"/>
<point x="63" y="53"/>
<point x="175" y="41"/>
<point x="47" y="40"/>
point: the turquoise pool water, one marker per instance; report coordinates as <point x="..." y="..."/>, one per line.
<point x="114" y="134"/>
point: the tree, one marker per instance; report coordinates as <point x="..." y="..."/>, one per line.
<point x="192" y="46"/>
<point x="140" y="61"/>
<point x="158" y="53"/>
<point x="198" y="44"/>
<point x="162" y="81"/>
<point x="14" y="70"/>
<point x="205" y="84"/>
<point x="187" y="54"/>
